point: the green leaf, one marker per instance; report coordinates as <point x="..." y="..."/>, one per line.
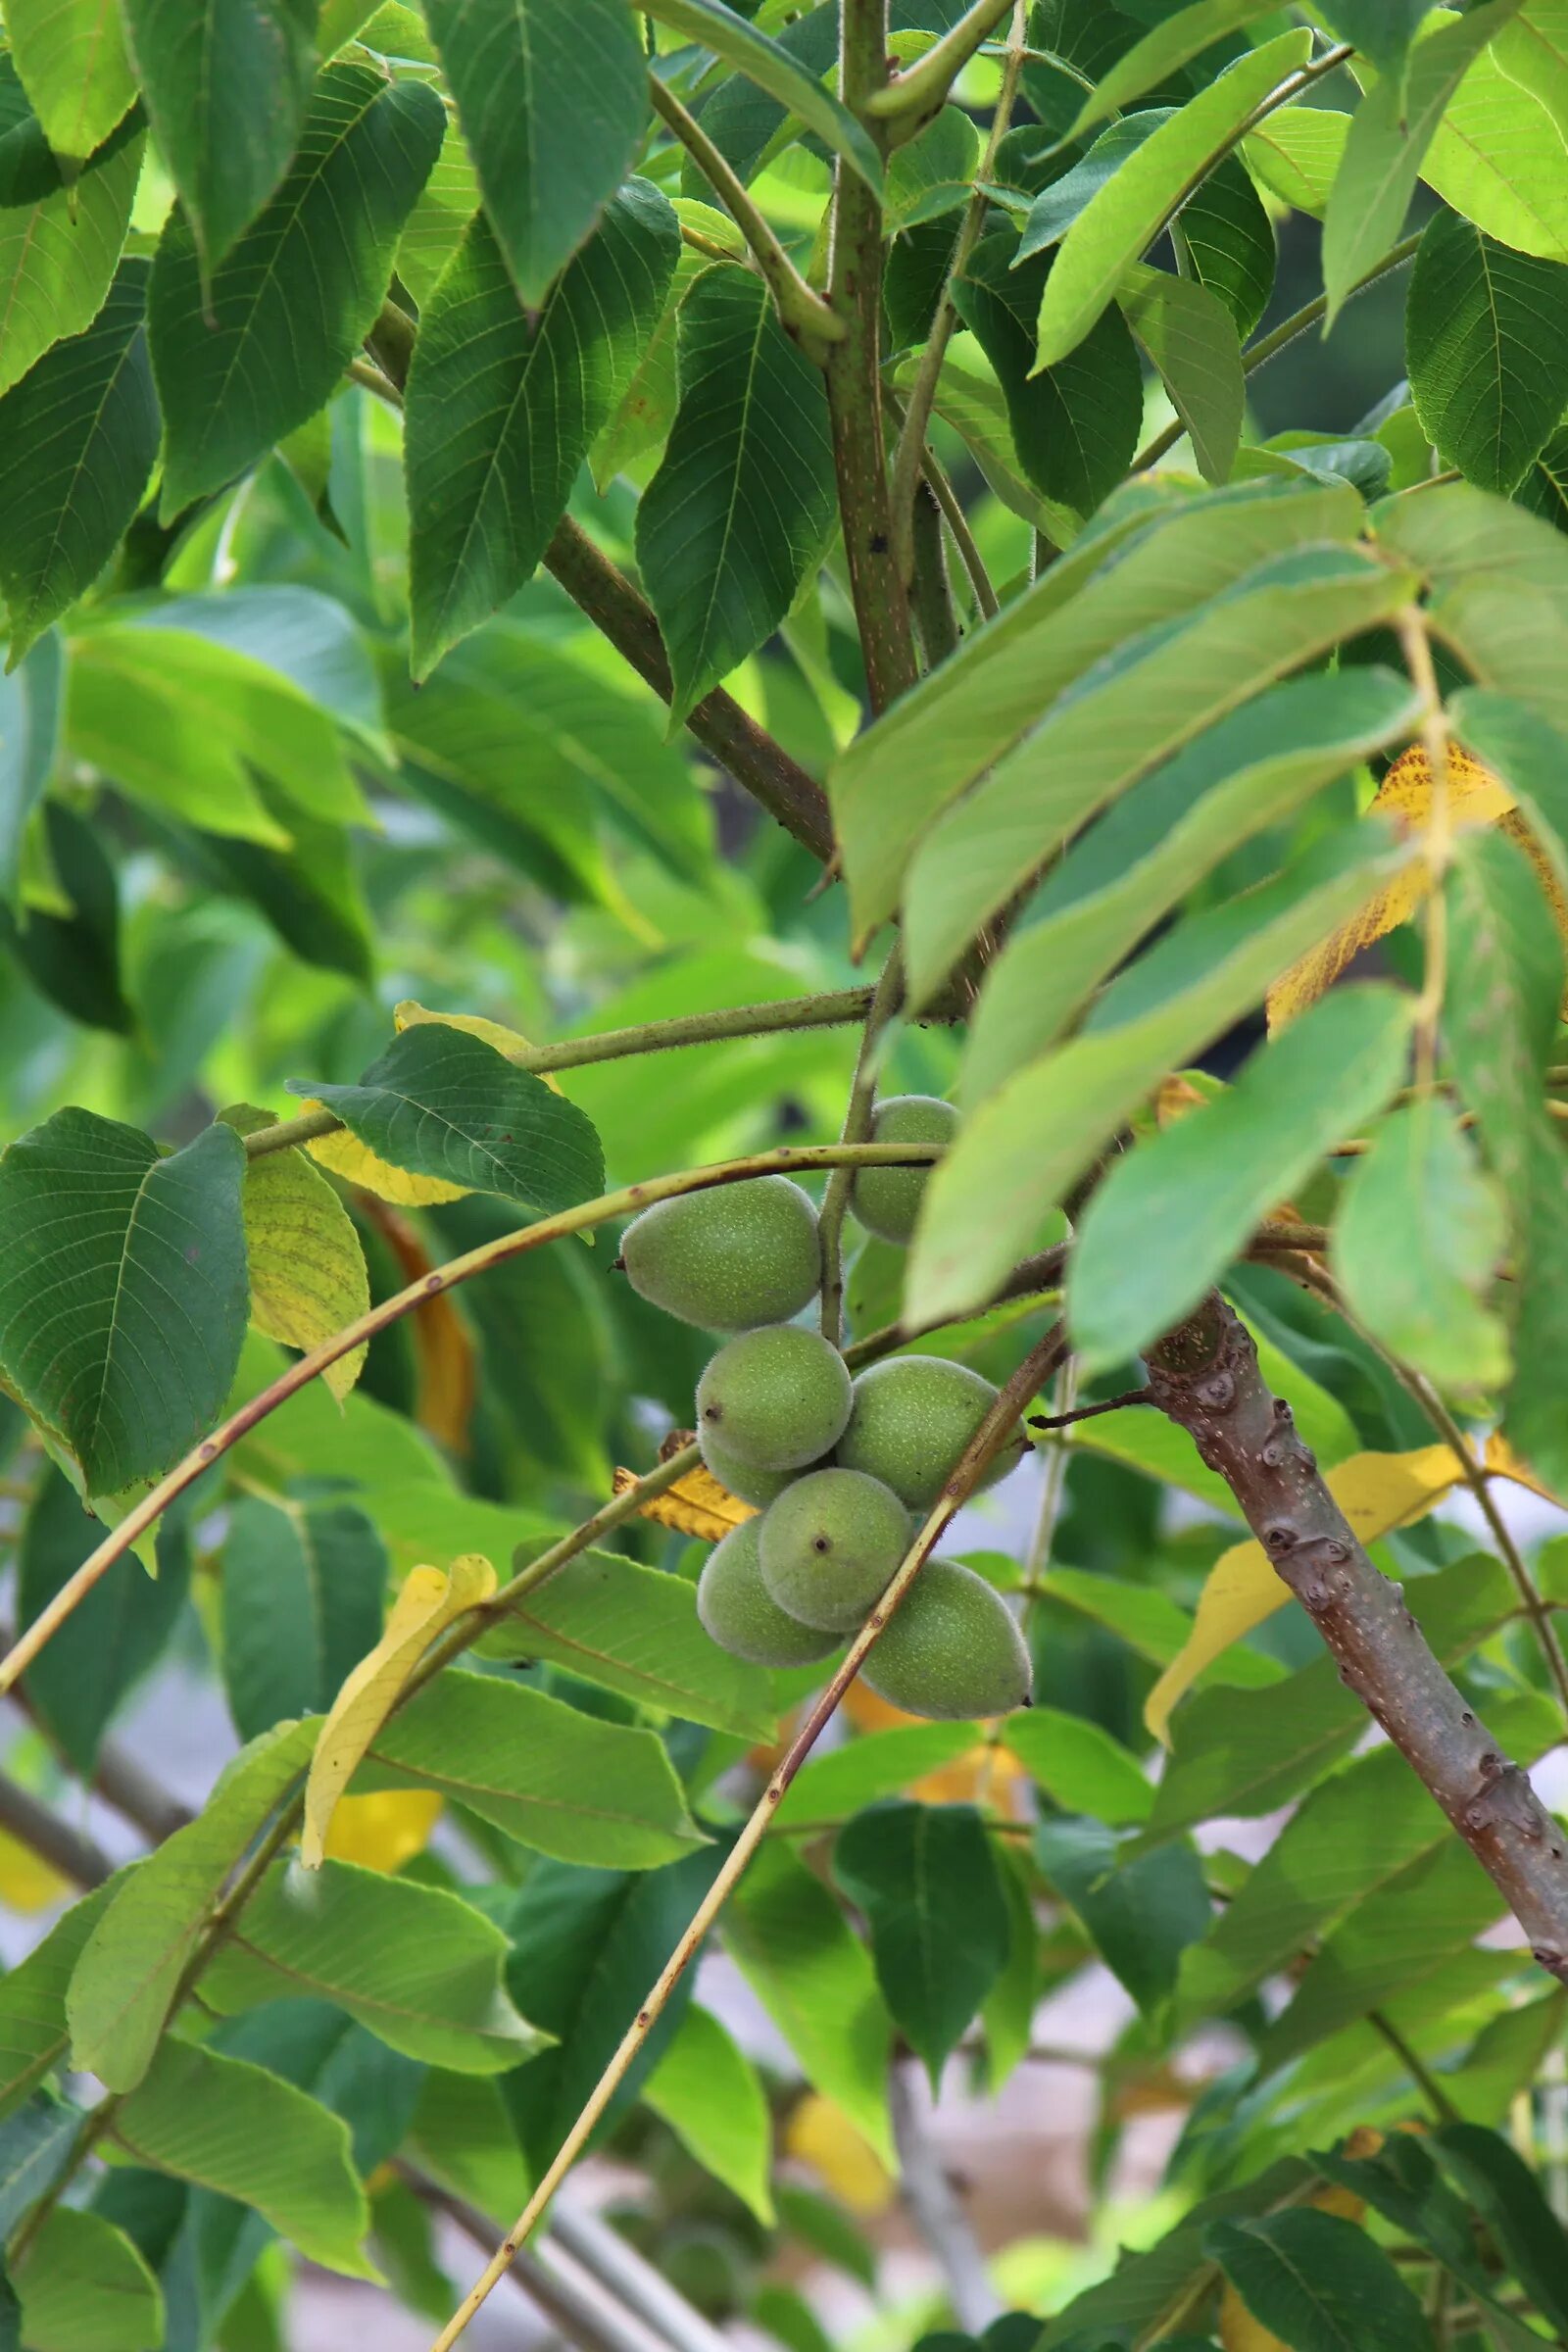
<point x="1401" y="2182"/>
<point x="78" y="437"/>
<point x="34" y="2038"/>
<point x="1524" y="750"/>
<point x="1389" y="136"/>
<point x="123" y="1331"/>
<point x="1486" y="349"/>
<point x="1113" y="886"/>
<point x="636" y="1630"/>
<point x="587" y="1944"/>
<point x="442" y="211"/>
<point x="970" y="400"/>
<point x="241" y="366"/>
<point x="71" y="57"/>
<point x="828" y="2231"/>
<point x="932" y="174"/>
<point x="36" y="2148"/>
<point x="1295" y="152"/>
<point x="1034" y="1137"/>
<point x="1224" y="240"/>
<point x="1161" y="52"/>
<point x="234" y="2127"/>
<point x="1074" y="426"/>
<point x="1008" y="2013"/>
<point x="925" y="1881"/>
<point x="564" y="1783"/>
<point x="1155" y="695"/>
<point x="830" y="1787"/>
<point x="503" y="404"/>
<point x="1507" y="2196"/>
<point x="420" y="1968"/>
<point x="1190" y="340"/>
<point x="794" y="1946"/>
<point x="1060" y="202"/>
<point x="1497" y="154"/>
<point x="1079" y="1765"/>
<point x="59" y="242"/>
<point x="1140" y="1913"/>
<point x="769" y="64"/>
<point x="1416" y="1244"/>
<point x="227" y="84"/>
<point x="553" y="96"/>
<point x="135" y="1955"/>
<point x="1382" y="29"/>
<point x="306" y="1268"/>
<point x="1118" y="223"/>
<point x="741" y="509"/>
<point x="1319" y="2283"/>
<point x="83" y="2288"/>
<point x="29" y="729"/>
<point x="899" y="775"/>
<point x="302" y="1594"/>
<point x="1175" y="1211"/>
<point x="708" y="2092"/>
<point x="446" y="1105"/>
<point x="646" y="409"/>
<point x="118" y="1629"/>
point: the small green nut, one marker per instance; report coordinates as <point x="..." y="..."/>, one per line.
<point x="776" y="1398"/>
<point x="752" y="1484"/>
<point x="887" y="1200"/>
<point x="740" y="1615"/>
<point x="951" y="1649"/>
<point x="910" y="1421"/>
<point x="729" y="1260"/>
<point x="829" y="1546"/>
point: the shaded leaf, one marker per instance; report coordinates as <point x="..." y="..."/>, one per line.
<point x="1192" y="341"/>
<point x="1509" y="2198"/>
<point x="29" y="728"/>
<point x="36" y="2145"/>
<point x="83" y="2288"/>
<point x="925" y="1881"/>
<point x="302" y="1591"/>
<point x="59" y="242"/>
<point x="1319" y="2283"/>
<point x="1182" y="36"/>
<point x="829" y="1788"/>
<point x="1141" y="1913"/>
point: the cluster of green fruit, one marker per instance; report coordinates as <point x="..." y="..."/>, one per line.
<point x="837" y="1467"/>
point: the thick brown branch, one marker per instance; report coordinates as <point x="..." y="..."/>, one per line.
<point x="1205" y="1376"/>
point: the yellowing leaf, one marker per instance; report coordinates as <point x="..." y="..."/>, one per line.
<point x="695" y="1505"/>
<point x="307" y="1269"/>
<point x="27" y="1885"/>
<point x="1238" y="2331"/>
<point x="384" y="1829"/>
<point x="443" y="1349"/>
<point x="1499" y="1460"/>
<point x="428" y="1601"/>
<point x="510" y="1042"/>
<point x="1476" y="796"/>
<point x="357" y="1163"/>
<point x="821" y="2134"/>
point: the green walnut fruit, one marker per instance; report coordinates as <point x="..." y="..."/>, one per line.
<point x="910" y="1421"/>
<point x="830" y="1544"/>
<point x="951" y="1651"/>
<point x="742" y="1478"/>
<point x="776" y="1398"/>
<point x="728" y="1259"/>
<point x="742" y="1616"/>
<point x="887" y="1200"/>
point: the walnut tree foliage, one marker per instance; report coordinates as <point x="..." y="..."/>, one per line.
<point x="591" y="591"/>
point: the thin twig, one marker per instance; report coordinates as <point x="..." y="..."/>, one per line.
<point x="988" y="1438"/>
<point x="1436" y="2099"/>
<point x="911" y="98"/>
<point x="1436" y="838"/>
<point x="857" y="1118"/>
<point x="933" y="2206"/>
<point x="1088" y="1412"/>
<point x="66" y="1849"/>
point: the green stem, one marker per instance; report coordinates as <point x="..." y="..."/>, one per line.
<point x="910" y="100"/>
<point x="802" y="310"/>
<point x="931" y="591"/>
<point x="832" y="1010"/>
<point x="1442" y="2108"/>
<point x="856" y="1127"/>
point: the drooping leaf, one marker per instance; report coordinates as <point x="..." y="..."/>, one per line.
<point x="503" y="404"/>
<point x="428" y="1602"/>
<point x="552" y="95"/>
<point x="1496" y="154"/>
<point x="1079" y="1765"/>
<point x="78" y="437"/>
<point x="1487" y="348"/>
<point x="70" y="58"/>
<point x="30" y="732"/>
<point x="59" y="242"/>
<point x="83" y="2288"/>
<point x="771" y="67"/>
<point x="302" y="1591"/>
<point x="1140" y="1912"/>
<point x="1173" y="1213"/>
<point x="1319" y="2283"/>
<point x="564" y="1783"/>
<point x="925" y="1881"/>
<point x="242" y="365"/>
<point x="233" y="2127"/>
<point x="1190" y="340"/>
<point x="741" y="508"/>
<point x="417" y="1966"/>
<point x="121" y="1328"/>
<point x="1121" y="220"/>
<point x="447" y="1105"/>
<point x="708" y="2092"/>
<point x="1509" y="2198"/>
<point x="133" y="1958"/>
<point x="1416" y="1244"/>
<point x="227" y="84"/>
<point x="1162" y="51"/>
<point x="34" y="2038"/>
<point x="794" y="1946"/>
<point x="306" y="1268"/>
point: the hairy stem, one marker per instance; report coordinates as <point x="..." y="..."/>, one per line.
<point x="1205" y="1376"/>
<point x="931" y="591"/>
<point x="856" y="1127"/>
<point x="1036" y="1366"/>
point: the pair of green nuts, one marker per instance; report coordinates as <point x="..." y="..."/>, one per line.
<point x="838" y="1468"/>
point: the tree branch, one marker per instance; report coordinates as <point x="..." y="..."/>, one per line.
<point x="856" y="1127"/>
<point x="910" y="99"/>
<point x="1205" y="1376"/>
<point x="939" y="2218"/>
<point x="70" y="1851"/>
